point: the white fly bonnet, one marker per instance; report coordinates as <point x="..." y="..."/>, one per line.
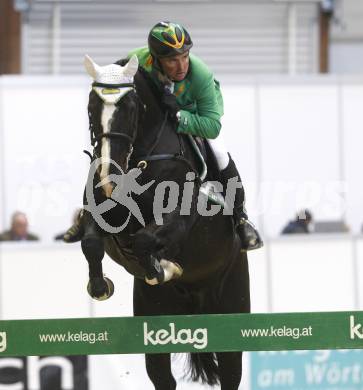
<point x="112" y="75"/>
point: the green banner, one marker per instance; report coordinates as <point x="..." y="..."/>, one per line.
<point x="197" y="333"/>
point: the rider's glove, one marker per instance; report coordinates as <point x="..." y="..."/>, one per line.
<point x="169" y="103"/>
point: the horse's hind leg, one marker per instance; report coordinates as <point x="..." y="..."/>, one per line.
<point x="230" y="369"/>
<point x="158" y="368"/>
<point x="234" y="297"/>
<point x="99" y="288"/>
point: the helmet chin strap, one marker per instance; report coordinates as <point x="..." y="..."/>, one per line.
<point x="157" y="64"/>
<point x="170" y="86"/>
<point x="162" y="77"/>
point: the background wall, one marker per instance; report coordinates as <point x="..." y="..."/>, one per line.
<point x="346" y="50"/>
<point x="43" y="167"/>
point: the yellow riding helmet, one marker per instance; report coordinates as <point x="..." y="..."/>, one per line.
<point x="168" y="39"/>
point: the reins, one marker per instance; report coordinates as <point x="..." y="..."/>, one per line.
<point x="142" y="161"/>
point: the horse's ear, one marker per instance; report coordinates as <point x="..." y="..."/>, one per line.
<point x="91" y="66"/>
<point x="131" y="67"/>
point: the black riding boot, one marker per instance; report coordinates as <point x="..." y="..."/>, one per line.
<point x="250" y="238"/>
<point x="76" y="231"/>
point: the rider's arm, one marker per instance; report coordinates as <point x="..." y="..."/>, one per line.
<point x="205" y="121"/>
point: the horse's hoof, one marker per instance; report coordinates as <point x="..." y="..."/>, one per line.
<point x="171" y="271"/>
<point x="100" y="288"/>
<point x="257" y="245"/>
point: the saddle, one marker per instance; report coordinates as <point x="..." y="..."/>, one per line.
<point x="209" y="172"/>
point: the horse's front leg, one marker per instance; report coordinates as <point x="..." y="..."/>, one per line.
<point x="145" y="246"/>
<point x="99" y="287"/>
<point x="157" y="247"/>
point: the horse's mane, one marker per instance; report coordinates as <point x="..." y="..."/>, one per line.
<point x="155" y="91"/>
<point x="153" y="87"/>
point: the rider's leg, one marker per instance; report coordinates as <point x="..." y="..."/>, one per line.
<point x="250" y="238"/>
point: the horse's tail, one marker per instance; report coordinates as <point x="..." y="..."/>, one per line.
<point x="203" y="366"/>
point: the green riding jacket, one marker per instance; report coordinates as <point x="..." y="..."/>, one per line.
<point x="198" y="95"/>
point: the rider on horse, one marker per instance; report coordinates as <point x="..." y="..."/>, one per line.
<point x="193" y="98"/>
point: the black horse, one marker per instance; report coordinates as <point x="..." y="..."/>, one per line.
<point x="129" y="126"/>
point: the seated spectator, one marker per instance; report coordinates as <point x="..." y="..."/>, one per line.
<point x="18" y="230"/>
<point x="301" y="224"/>
<point x="74" y="219"/>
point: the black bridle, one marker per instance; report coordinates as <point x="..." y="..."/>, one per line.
<point x="112" y="134"/>
<point x="148" y="157"/>
<point x="106" y="85"/>
<point x="123" y="135"/>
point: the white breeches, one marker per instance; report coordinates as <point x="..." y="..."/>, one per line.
<point x="220" y="151"/>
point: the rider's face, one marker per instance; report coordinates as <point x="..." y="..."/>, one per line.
<point x="176" y="67"/>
